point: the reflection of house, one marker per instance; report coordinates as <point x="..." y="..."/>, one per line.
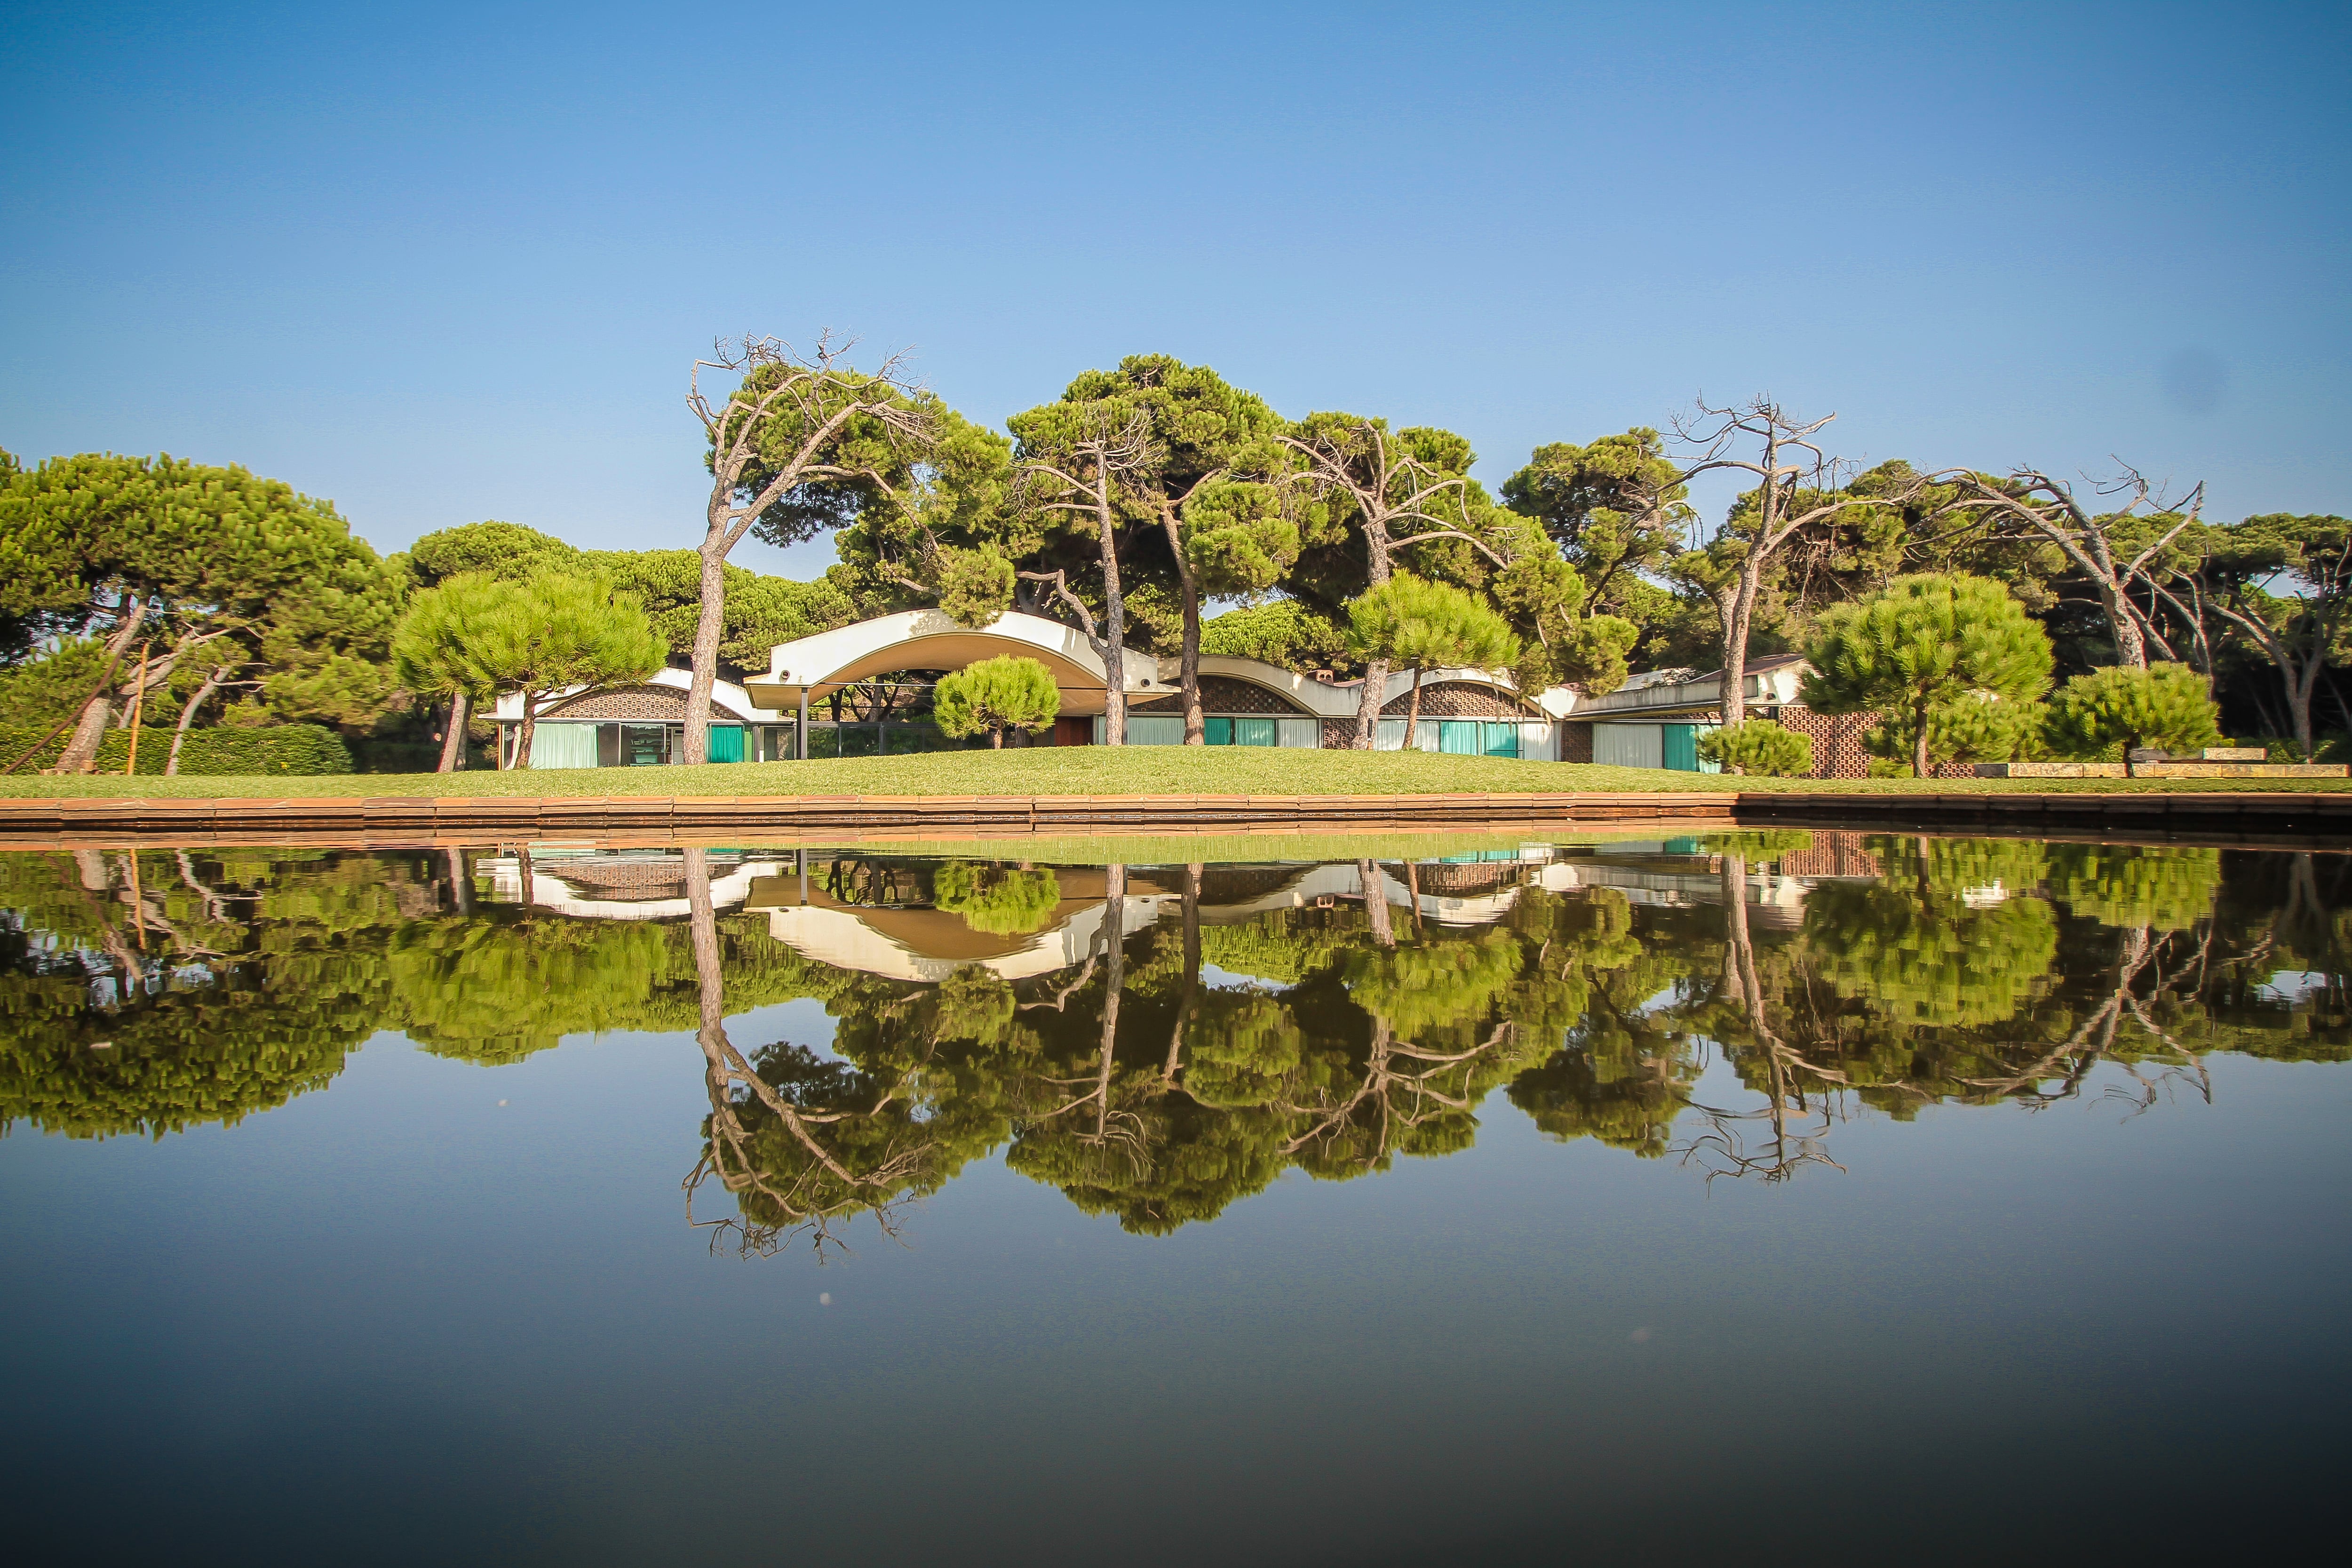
<point x="916" y="942"/>
<point x="638" y="725"/>
<point x="618" y="884"/>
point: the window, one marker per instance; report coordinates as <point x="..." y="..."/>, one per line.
<point x="1155" y="730"/>
<point x="1254" y="732"/>
<point x="1219" y="732"/>
<point x="726" y="743"/>
<point x="564" y="746"/>
<point x="1301" y="734"/>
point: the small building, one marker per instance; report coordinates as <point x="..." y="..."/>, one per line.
<point x="1656" y="720"/>
<point x="642" y="724"/>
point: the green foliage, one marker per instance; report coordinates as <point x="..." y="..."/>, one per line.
<point x="1283" y="633"/>
<point x="242" y="751"/>
<point x="1923" y="643"/>
<point x="2110" y="711"/>
<point x="1428" y="625"/>
<point x="1760" y="747"/>
<point x="995" y="899"/>
<point x="1007" y="693"/>
<point x="1974" y="727"/>
<point x="232" y="566"/>
<point x="975" y="586"/>
<point x="2160" y="887"/>
<point x="1613" y="508"/>
<point x="551" y="631"/>
<point x="507" y="550"/>
<point x="45" y="690"/>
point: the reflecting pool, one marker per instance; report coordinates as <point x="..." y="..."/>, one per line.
<point x="1790" y="1196"/>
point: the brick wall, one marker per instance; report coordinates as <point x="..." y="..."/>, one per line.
<point x="1837" y="740"/>
<point x="1339" y="735"/>
<point x="1575" y="742"/>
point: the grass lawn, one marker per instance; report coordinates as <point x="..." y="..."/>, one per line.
<point x="1092" y="770"/>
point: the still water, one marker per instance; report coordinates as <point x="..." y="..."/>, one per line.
<point x="1760" y="1196"/>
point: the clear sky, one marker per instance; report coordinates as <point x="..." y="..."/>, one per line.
<point x="443" y="263"/>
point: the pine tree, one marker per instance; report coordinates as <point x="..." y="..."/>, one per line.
<point x="1922" y="643"/>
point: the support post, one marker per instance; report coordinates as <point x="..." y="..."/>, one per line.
<point x="800" y="731"/>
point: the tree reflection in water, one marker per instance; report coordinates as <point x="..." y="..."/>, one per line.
<point x="1159" y="1041"/>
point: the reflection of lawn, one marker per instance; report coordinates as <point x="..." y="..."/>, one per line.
<point x="1094" y="770"/>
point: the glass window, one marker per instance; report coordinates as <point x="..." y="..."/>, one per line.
<point x="1463" y="737"/>
<point x="644" y="745"/>
<point x="1502" y="740"/>
<point x="1302" y="733"/>
<point x="726" y="743"/>
<point x="1254" y="732"/>
<point x="1218" y="731"/>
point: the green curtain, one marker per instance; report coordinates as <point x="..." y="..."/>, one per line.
<point x="1254" y="732"/>
<point x="726" y="743"/>
<point x="1462" y="737"/>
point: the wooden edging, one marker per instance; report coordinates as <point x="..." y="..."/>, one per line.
<point x="388" y="820"/>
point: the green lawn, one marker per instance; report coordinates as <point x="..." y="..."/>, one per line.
<point x="1091" y="769"/>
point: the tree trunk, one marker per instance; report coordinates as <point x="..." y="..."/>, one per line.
<point x="527" y="729"/>
<point x="188" y="716"/>
<point x="2299" y="691"/>
<point x="2131" y="649"/>
<point x="453" y="743"/>
<point x="80" y="755"/>
<point x="1368" y="712"/>
<point x="1919" y="763"/>
<point x="1412" y="710"/>
<point x="1376" y="903"/>
<point x="1114" y="981"/>
<point x="1196" y="725"/>
<point x="1734" y="641"/>
<point x="996" y="740"/>
<point x="707" y="630"/>
<point x="1114" y="620"/>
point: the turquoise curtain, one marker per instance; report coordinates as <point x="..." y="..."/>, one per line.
<point x="1502" y="740"/>
<point x="1254" y="732"/>
<point x="1155" y="730"/>
<point x="1219" y="732"/>
<point x="1678" y="747"/>
<point x="1462" y="737"/>
<point x="726" y="743"/>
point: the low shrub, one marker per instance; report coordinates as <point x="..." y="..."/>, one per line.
<point x="1761" y="748"/>
<point x="282" y="749"/>
<point x="2102" y="716"/>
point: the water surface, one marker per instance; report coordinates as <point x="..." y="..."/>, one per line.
<point x="1790" y="1196"/>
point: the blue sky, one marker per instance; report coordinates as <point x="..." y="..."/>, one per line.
<point x="445" y="263"/>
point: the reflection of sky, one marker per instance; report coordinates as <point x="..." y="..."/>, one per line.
<point x="2289" y="985"/>
<point x="402" y="1316"/>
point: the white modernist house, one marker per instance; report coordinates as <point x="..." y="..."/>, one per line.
<point x="857" y="690"/>
<point x="1246" y="703"/>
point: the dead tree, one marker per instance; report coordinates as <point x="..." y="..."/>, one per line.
<point x="793" y="425"/>
<point x="2035" y="505"/>
<point x="1797" y="489"/>
<point x="1388" y="490"/>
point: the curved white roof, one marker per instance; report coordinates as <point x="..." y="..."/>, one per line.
<point x="928" y="640"/>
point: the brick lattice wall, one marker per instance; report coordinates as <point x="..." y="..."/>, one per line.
<point x="1575" y="742"/>
<point x="1456" y="700"/>
<point x="1837" y="740"/>
<point x="1222" y="694"/>
<point x="1832" y="855"/>
<point x="638" y="705"/>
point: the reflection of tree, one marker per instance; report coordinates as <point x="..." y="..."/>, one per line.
<point x="147" y="992"/>
<point x="995" y="899"/>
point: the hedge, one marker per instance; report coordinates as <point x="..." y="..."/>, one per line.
<point x="242" y="751"/>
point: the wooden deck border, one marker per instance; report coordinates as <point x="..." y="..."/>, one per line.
<point x="389" y="820"/>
